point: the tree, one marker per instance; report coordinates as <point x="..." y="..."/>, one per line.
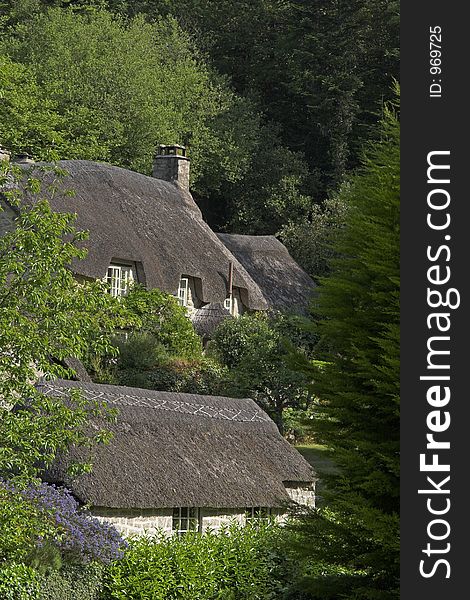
<point x="120" y="87"/>
<point x="46" y="316"/>
<point x="253" y="350"/>
<point x="352" y="543"/>
<point x="310" y="241"/>
<point x="29" y="121"/>
<point x="319" y="70"/>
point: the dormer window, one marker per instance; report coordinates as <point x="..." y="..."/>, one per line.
<point x="234" y="303"/>
<point x="120" y="279"/>
<point x="183" y="291"/>
<point x="189" y="291"/>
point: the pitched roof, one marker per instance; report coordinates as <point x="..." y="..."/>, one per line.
<point x="283" y="283"/>
<point x="133" y="217"/>
<point x="206" y="319"/>
<point x="79" y="371"/>
<point x="174" y="449"/>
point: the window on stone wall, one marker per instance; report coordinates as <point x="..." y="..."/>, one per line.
<point x="257" y="513"/>
<point x="185" y="519"/>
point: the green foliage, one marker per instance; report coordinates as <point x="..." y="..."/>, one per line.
<point x="162" y="352"/>
<point x="310" y="241"/>
<point x="165" y="320"/>
<point x="352" y="544"/>
<point x="18" y="582"/>
<point x="28" y="118"/>
<point x="22" y="524"/>
<point x="253" y="348"/>
<point x="119" y="87"/>
<point x="145" y="363"/>
<point x="274" y="99"/>
<point x="318" y="70"/>
<point x="234" y="565"/>
<point x="72" y="583"/>
<point x="45" y="314"/>
<point x="269" y="194"/>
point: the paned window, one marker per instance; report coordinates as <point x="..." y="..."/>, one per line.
<point x="257" y="513"/>
<point x="119" y="278"/>
<point x="183" y="291"/>
<point x="185" y="519"/>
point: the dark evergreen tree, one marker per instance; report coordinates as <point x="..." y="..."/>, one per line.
<point x="351" y="541"/>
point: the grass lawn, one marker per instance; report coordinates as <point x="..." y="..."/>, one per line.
<point x="321" y="460"/>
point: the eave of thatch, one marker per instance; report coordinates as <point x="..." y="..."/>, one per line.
<point x="283" y="283"/>
<point x="154" y="223"/>
<point x="183" y="450"/>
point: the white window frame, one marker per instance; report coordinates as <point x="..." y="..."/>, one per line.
<point x="186" y="519"/>
<point x="183" y="291"/>
<point x="119" y="278"/>
<point x="228" y="304"/>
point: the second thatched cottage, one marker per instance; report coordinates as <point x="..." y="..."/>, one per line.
<point x="183" y="462"/>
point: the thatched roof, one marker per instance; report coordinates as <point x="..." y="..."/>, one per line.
<point x="78" y="368"/>
<point x="206" y="319"/>
<point x="132" y="217"/>
<point x="284" y="284"/>
<point x="183" y="450"/>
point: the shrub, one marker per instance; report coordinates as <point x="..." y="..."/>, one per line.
<point x="22" y="522"/>
<point x="18" y="582"/>
<point x="43" y="525"/>
<point x="163" y="318"/>
<point x="72" y="583"/>
<point x="81" y="537"/>
<point x="253" y="348"/>
<point x="234" y="564"/>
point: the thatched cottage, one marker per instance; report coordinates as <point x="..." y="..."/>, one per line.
<point x="150" y="230"/>
<point x="182" y="462"/>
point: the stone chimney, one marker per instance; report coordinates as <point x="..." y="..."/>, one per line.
<point x="172" y="164"/>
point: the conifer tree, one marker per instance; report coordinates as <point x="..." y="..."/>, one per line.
<point x="351" y="541"/>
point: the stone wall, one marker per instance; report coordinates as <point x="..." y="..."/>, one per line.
<point x="304" y="495"/>
<point x="215" y="518"/>
<point x="137" y="522"/>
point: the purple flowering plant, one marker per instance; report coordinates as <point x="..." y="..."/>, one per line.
<point x="61" y="522"/>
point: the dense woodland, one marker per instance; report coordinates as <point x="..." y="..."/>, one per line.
<point x="274" y="99"/>
<point x="290" y="113"/>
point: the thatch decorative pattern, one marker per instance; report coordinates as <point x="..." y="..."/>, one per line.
<point x="283" y="283"/>
<point x="183" y="450"/>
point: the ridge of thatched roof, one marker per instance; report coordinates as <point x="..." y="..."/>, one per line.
<point x="154" y="223"/>
<point x="172" y="449"/>
<point x="283" y="283"/>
